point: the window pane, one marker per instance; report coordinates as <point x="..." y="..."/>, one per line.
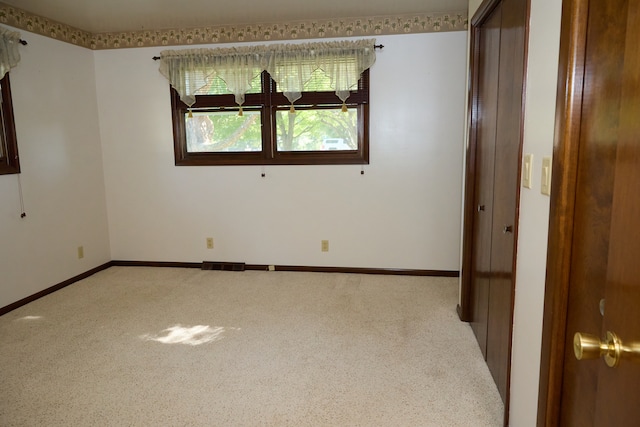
<point x="217" y="86"/>
<point x="317" y="130"/>
<point x="9" y="161"/>
<point x="223" y="131"/>
<point x="3" y="142"/>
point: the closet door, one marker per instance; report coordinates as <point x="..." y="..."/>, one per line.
<point x="493" y="180"/>
<point x="485" y="147"/>
<point x="506" y="192"/>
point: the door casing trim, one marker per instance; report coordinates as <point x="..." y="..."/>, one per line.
<point x="571" y="71"/>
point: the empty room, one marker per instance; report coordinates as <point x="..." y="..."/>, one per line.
<point x="331" y="213"/>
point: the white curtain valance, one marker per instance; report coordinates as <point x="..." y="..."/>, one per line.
<point x="9" y="54"/>
<point x="290" y="65"/>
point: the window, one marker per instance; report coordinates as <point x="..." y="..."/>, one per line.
<point x="9" y="162"/>
<point x="298" y="104"/>
<point x="268" y="129"/>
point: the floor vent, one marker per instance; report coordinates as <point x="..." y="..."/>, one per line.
<point x="226" y="266"/>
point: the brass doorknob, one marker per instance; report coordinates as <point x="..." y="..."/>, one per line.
<point x="587" y="346"/>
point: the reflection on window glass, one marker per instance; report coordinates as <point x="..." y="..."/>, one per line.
<point x="317" y="130"/>
<point x="223" y="131"/>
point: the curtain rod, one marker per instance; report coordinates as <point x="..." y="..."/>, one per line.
<point x="375" y="46"/>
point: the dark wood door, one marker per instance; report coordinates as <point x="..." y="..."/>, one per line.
<point x="506" y="192"/>
<point x="485" y="151"/>
<point x="596" y="215"/>
<point x="618" y="390"/>
<point x="493" y="170"/>
<point x="593" y="199"/>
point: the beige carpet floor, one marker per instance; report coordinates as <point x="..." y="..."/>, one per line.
<point x="137" y="346"/>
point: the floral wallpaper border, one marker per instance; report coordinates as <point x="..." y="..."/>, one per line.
<point x="367" y="26"/>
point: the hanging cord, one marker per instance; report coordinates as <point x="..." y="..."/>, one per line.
<point x="22" y="212"/>
<point x="361" y="169"/>
<point x="263" y="174"/>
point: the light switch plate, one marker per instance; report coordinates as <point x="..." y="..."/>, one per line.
<point x="546" y="176"/>
<point x="527" y="169"/>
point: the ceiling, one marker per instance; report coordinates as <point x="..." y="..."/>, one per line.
<point x="103" y="16"/>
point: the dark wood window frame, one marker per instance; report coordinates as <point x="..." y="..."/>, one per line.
<point x="268" y="102"/>
<point x="9" y="160"/>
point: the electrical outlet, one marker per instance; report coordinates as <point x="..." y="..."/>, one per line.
<point x="209" y="242"/>
<point x="324" y="246"/>
<point x="80" y="252"/>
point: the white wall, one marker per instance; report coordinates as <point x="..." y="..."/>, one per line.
<point x="540" y="102"/>
<point x="404" y="212"/>
<point x="473" y="7"/>
<point x="56" y="118"/>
